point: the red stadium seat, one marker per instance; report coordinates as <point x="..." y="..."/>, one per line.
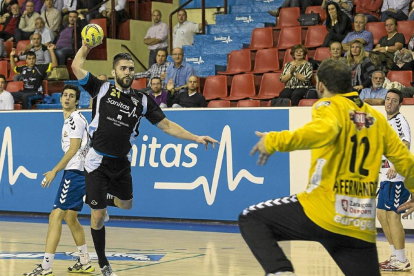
<point x="288" y="17"/>
<point x="289" y="36"/>
<point x="3" y="68"/>
<point x="248" y="103"/>
<point x="261" y="38"/>
<point x="239" y="62"/>
<point x="267" y="60"/>
<point x="307" y="102"/>
<point x="403" y="77"/>
<point x="139" y="83"/>
<point x="270" y="87"/>
<point x="14" y="86"/>
<point x="242" y="87"/>
<point x="215" y="87"/>
<point x="321" y="53"/>
<point x="377" y="29"/>
<point x="406" y="28"/>
<point x="11" y="70"/>
<point x="8" y="45"/>
<point x="21" y="45"/>
<point x="219" y="103"/>
<point x="17" y="106"/>
<point x="315" y="36"/>
<point x="317" y="9"/>
<point x="408" y="101"/>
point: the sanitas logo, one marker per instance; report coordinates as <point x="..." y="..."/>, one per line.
<point x="195" y="60"/>
<point x="223" y="39"/>
<point x="118" y="104"/>
<point x="245" y="19"/>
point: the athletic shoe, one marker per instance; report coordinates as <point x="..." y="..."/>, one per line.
<point x="274" y="13"/>
<point x="40" y="271"/>
<point x="78" y="267"/>
<point x="107" y="271"/>
<point x="397" y="265"/>
<point x="387" y="261"/>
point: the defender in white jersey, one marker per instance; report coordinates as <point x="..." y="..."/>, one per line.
<point x="392" y="191"/>
<point x="69" y="198"/>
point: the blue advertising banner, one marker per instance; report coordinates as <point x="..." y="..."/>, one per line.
<point x="172" y="178"/>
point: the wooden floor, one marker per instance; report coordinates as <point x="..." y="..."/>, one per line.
<point x="184" y="253"/>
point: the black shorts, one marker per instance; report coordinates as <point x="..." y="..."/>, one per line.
<point x="105" y="175"/>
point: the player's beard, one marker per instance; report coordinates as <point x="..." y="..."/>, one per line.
<point x="123" y="83"/>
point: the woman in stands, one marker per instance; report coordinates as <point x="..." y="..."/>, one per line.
<point x="338" y="24"/>
<point x="383" y="54"/>
<point x="361" y="66"/>
<point x="296" y="75"/>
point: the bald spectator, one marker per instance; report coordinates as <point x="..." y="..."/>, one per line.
<point x="37" y="5"/>
<point x="51" y="16"/>
<point x="27" y="23"/>
<point x="189" y="98"/>
<point x="184" y="31"/>
<point x="156" y="37"/>
<point x="178" y="73"/>
<point x="41" y="51"/>
<point x="360" y="34"/>
<point x="375" y="95"/>
<point x="47" y="35"/>
<point x="371" y="8"/>
<point x="10" y="24"/>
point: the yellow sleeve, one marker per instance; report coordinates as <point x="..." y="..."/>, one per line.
<point x="321" y="131"/>
<point x="49" y="68"/>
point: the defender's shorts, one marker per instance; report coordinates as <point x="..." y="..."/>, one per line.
<point x="391" y="195"/>
<point x="71" y="191"/>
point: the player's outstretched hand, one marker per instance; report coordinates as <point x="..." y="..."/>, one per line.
<point x="205" y="140"/>
<point x="49" y="176"/>
<point x="408" y="207"/>
<point x="260" y="147"/>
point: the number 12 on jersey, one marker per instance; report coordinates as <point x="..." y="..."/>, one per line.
<point x="357" y="146"/>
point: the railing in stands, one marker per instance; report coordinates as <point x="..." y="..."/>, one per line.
<point x="136" y="58"/>
<point x="203" y="18"/>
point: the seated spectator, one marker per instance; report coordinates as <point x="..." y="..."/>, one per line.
<point x="403" y="60"/>
<point x="383" y="54"/>
<point x="336" y="51"/>
<point x="370" y="8"/>
<point x="27" y="23"/>
<point x="411" y="13"/>
<point x="51" y="16"/>
<point x="375" y="95"/>
<point x="361" y="66"/>
<point x="184" y="31"/>
<point x="5" y="8"/>
<point x="32" y="76"/>
<point x="6" y="99"/>
<point x="41" y="51"/>
<point x="338" y="24"/>
<point x="345" y="6"/>
<point x="57" y="4"/>
<point x="189" y="98"/>
<point x="11" y="23"/>
<point x="157" y="93"/>
<point x="37" y="5"/>
<point x="84" y="7"/>
<point x="47" y="35"/>
<point x="360" y="34"/>
<point x="65" y="42"/>
<point x="158" y="69"/>
<point x="179" y="72"/>
<point x="296" y="76"/>
<point x="121" y="15"/>
<point x="397" y="9"/>
<point x="68" y="6"/>
<point x="303" y="4"/>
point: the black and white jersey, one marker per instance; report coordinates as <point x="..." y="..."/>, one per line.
<point x="114" y="128"/>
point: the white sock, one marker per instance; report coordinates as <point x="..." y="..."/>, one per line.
<point x="82" y="249"/>
<point x="48" y="260"/>
<point x="392" y="250"/>
<point x="83" y="254"/>
<point x="400" y="255"/>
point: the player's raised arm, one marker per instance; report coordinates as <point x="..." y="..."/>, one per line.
<point x="78" y="62"/>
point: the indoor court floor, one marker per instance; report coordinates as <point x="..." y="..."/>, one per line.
<point x="161" y="248"/>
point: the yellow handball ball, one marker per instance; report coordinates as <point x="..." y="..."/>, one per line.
<point x="92" y="34"/>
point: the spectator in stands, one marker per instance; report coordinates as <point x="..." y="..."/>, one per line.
<point x="179" y="72"/>
<point x="41" y="51"/>
<point x="84" y="7"/>
<point x="121" y="15"/>
<point x="65" y="42"/>
<point x="57" y="4"/>
<point x="411" y="13"/>
<point x="303" y="4"/>
<point x="375" y="95"/>
<point x="158" y="69"/>
<point x="397" y="9"/>
<point x="11" y="23"/>
<point x="403" y="60"/>
<point x="27" y="23"/>
<point x="156" y="37"/>
<point x="336" y="51"/>
<point x="296" y="75"/>
<point x="338" y="24"/>
<point x="5" y="7"/>
<point x="361" y="66"/>
<point x="51" y="16"/>
<point x="68" y="6"/>
<point x="6" y="99"/>
<point x="32" y="76"/>
<point x="383" y="54"/>
<point x="345" y="6"/>
<point x="37" y="5"/>
<point x="371" y="8"/>
<point x="47" y="35"/>
<point x="184" y="31"/>
<point x="189" y="98"/>
<point x="157" y="93"/>
<point x="360" y="34"/>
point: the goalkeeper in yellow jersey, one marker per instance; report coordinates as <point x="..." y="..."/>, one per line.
<point x="347" y="139"/>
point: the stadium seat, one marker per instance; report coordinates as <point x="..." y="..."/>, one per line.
<point x="261" y="38"/>
<point x="239" y="62"/>
<point x="406" y="28"/>
<point x="99" y="52"/>
<point x="219" y="103"/>
<point x="11" y="70"/>
<point x="288" y="17"/>
<point x="315" y="36"/>
<point x="215" y="87"/>
<point x="270" y="87"/>
<point x="267" y="60"/>
<point x="408" y="101"/>
<point x="139" y="83"/>
<point x="248" y="103"/>
<point x="14" y="86"/>
<point x="317" y="9"/>
<point x="321" y="53"/>
<point x="21" y="45"/>
<point x="242" y="87"/>
<point x="17" y="106"/>
<point x="3" y="68"/>
<point x="289" y="36"/>
<point x="307" y="102"/>
<point x="8" y="45"/>
<point x="377" y="29"/>
<point x="403" y="77"/>
<point x="124" y="31"/>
